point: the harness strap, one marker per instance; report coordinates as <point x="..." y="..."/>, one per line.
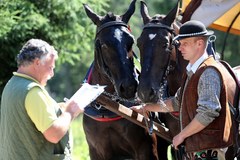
<point x="229" y="68"/>
<point x="234" y="107"/>
<point x="89" y="73"/>
<point x="107" y="119"/>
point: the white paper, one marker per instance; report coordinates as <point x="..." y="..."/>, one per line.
<point x="86" y="94"/>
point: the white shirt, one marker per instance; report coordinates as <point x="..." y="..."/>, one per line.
<point x="194" y="67"/>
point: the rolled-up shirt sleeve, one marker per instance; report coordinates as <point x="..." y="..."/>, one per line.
<point x="41" y="108"/>
<point x="209" y="87"/>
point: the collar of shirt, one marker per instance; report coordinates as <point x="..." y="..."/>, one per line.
<point x="25" y="76"/>
<point x="194" y="67"/>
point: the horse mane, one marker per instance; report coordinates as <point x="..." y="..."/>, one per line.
<point x="192" y="6"/>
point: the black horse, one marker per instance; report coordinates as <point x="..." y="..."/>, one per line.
<point x="155" y="45"/>
<point x="163" y="66"/>
<point x="110" y="136"/>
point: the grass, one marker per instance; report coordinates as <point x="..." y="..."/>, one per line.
<point x="80" y="147"/>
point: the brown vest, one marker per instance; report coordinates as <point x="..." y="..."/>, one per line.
<point x="218" y="134"/>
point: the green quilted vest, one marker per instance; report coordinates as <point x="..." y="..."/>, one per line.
<point x="19" y="138"/>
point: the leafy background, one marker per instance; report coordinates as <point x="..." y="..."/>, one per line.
<point x="64" y="24"/>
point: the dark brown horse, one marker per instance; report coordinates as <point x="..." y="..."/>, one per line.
<point x="162" y="68"/>
<point x="109" y="136"/>
<point x="154" y="42"/>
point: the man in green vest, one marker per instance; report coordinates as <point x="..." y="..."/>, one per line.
<point x="205" y="120"/>
<point x="33" y="126"/>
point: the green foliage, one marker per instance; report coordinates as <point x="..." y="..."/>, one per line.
<point x="63" y="24"/>
<point x="7" y="18"/>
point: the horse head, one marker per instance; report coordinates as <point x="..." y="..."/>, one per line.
<point x="113" y="59"/>
<point x="156" y="53"/>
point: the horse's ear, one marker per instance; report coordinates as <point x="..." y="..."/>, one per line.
<point x="170" y="17"/>
<point x="144" y="12"/>
<point x="93" y="16"/>
<point x="126" y="16"/>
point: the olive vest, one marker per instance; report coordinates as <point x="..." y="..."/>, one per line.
<point x="218" y="134"/>
<point x="19" y="138"/>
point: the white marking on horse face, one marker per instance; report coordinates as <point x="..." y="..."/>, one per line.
<point x="118" y="34"/>
<point x="152" y="36"/>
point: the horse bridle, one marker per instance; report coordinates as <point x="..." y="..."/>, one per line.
<point x="169" y="66"/>
<point x="104" y="67"/>
<point x="99" y="29"/>
<point x="167" y="69"/>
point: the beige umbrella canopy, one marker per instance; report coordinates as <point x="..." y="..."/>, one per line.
<point x="222" y="15"/>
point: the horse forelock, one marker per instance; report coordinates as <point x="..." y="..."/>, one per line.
<point x="157" y="18"/>
<point x="110" y="17"/>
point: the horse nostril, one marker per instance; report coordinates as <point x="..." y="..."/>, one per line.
<point x="125" y="87"/>
<point x="147" y="93"/>
<point x="128" y="88"/>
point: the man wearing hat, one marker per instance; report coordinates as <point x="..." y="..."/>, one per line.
<point x="202" y="99"/>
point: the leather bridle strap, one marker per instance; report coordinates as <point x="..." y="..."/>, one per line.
<point x="110" y="24"/>
<point x="158" y="25"/>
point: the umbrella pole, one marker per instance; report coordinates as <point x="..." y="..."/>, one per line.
<point x="227" y="33"/>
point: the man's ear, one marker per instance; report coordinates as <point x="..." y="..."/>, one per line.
<point x="36" y="62"/>
<point x="200" y="42"/>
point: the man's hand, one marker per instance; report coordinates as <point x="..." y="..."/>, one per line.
<point x="177" y="140"/>
<point x="73" y="108"/>
<point x="138" y="109"/>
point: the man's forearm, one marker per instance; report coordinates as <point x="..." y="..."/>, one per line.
<point x="59" y="128"/>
